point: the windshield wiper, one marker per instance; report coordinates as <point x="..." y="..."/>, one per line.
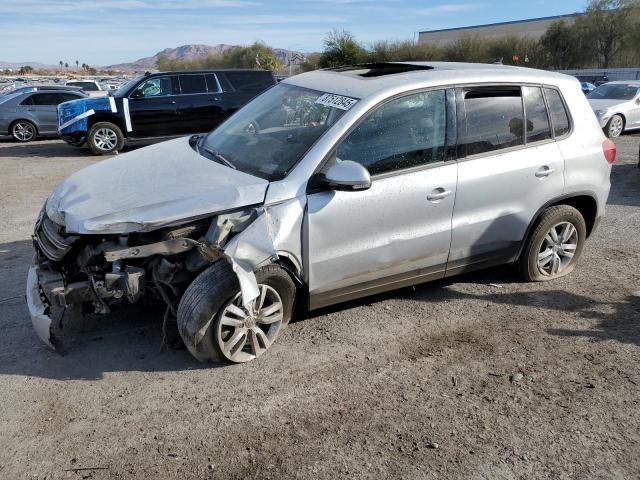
<point x="218" y="156"/>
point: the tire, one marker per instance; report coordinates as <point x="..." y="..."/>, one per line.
<point x="615" y="126"/>
<point x="539" y="247"/>
<point x="23" y="131"/>
<point x="203" y="315"/>
<point x="105" y="138"/>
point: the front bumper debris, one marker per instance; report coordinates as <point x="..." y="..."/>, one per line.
<point x="38" y="310"/>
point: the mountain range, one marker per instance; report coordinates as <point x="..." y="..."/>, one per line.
<point x="184" y="52"/>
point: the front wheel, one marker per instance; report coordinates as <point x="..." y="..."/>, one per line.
<point x="615" y="126"/>
<point x="554" y="246"/>
<point x="216" y="327"/>
<point x="105" y="138"/>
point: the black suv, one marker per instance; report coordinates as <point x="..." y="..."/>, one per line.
<point x="159" y="105"/>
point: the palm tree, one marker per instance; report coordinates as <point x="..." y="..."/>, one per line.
<point x="66" y="65"/>
<point x="77" y="63"/>
<point x="61" y="63"/>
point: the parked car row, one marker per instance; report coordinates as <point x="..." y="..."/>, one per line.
<point x="330" y="186"/>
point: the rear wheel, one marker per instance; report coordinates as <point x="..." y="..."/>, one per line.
<point x="23" y="131"/>
<point x="555" y="244"/>
<point x="105" y="138"/>
<point x="615" y="126"/>
<point x="215" y="325"/>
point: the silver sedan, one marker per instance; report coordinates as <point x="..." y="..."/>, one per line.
<point x="617" y="106"/>
<point x="25" y="115"/>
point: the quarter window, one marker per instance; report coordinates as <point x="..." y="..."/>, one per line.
<point x="495" y="119"/>
<point x="190" y="84"/>
<point x="212" y="84"/>
<point x="406" y="132"/>
<point x="538" y="128"/>
<point x="559" y="116"/>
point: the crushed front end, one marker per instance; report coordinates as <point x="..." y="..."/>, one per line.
<point x="100" y="273"/>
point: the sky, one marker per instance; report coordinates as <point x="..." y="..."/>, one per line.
<point x="103" y="32"/>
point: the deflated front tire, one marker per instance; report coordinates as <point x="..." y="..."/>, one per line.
<point x="216" y="327"/>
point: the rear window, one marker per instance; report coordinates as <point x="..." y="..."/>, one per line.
<point x="87" y="86"/>
<point x="190" y="84"/>
<point x="559" y="116"/>
<point x="256" y="80"/>
<point x="495" y="119"/>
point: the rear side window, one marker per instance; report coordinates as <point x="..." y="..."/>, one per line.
<point x="495" y="119"/>
<point x="406" y="132"/>
<point x="44" y="99"/>
<point x="256" y="80"/>
<point x="538" y="127"/>
<point x="190" y="84"/>
<point x="66" y="97"/>
<point x="559" y="116"/>
<point x="27" y="101"/>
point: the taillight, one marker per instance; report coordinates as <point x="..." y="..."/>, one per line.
<point x="609" y="150"/>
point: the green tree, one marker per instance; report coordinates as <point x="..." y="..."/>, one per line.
<point x="564" y="46"/>
<point x="61" y="63"/>
<point x="341" y="48"/>
<point x="25" y="69"/>
<point x="609" y="24"/>
<point x="66" y="65"/>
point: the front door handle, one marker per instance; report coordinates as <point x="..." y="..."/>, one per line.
<point x="172" y="102"/>
<point x="214" y="99"/>
<point x="544" y="172"/>
<point x="438" y="194"/>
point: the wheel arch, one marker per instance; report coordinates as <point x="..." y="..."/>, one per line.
<point x="106" y="117"/>
<point x="13" y="122"/>
<point x="585" y="202"/>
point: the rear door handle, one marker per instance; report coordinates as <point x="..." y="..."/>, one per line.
<point x="214" y="99"/>
<point x="544" y="172"/>
<point x="438" y="194"/>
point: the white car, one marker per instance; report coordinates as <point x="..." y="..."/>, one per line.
<point x="617" y="106"/>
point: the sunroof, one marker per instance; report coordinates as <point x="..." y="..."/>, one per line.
<point x="368" y="70"/>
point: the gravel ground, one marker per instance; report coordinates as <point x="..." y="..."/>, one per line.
<point x="479" y="376"/>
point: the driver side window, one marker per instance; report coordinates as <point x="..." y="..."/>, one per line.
<point x="405" y="132"/>
<point x="156" y="87"/>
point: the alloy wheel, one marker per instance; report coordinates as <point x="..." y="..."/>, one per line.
<point x="246" y="333"/>
<point x="615" y="129"/>
<point x="557" y="249"/>
<point x="24" y="131"/>
<point x="105" y="139"/>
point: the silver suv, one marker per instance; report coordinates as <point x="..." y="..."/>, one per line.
<point x="330" y="186"/>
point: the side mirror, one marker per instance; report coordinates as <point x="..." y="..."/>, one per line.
<point x="638" y="101"/>
<point x="347" y="176"/>
<point x="137" y="94"/>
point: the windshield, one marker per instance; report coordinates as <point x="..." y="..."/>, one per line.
<point x="122" y="89"/>
<point x="616" y="91"/>
<point x="268" y="136"/>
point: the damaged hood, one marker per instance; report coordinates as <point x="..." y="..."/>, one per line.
<point x="156" y="186"/>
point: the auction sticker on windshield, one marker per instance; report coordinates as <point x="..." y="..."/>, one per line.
<point x="337" y="101"/>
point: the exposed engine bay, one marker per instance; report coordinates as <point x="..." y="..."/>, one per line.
<point x="100" y="273"/>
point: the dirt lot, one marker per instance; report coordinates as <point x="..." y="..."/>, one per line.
<point x="478" y="377"/>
